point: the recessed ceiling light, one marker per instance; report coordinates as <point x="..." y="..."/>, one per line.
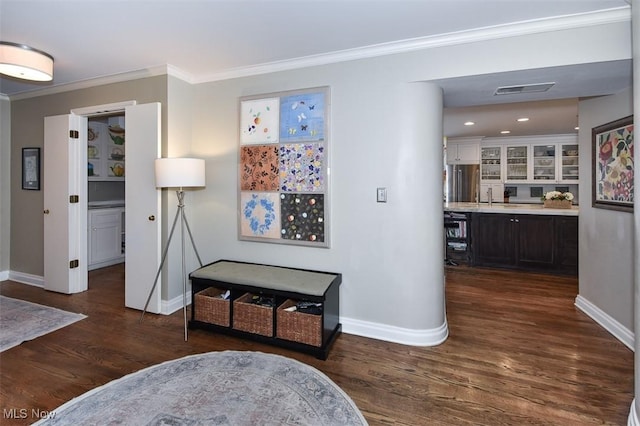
<point x="505" y="132"/>
<point x="576" y="128"/>
<point x="469" y="123"/>
<point x="521" y="119"/>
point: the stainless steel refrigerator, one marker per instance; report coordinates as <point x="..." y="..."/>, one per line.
<point x="463" y="183"/>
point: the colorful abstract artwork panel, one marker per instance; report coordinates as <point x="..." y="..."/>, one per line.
<point x="614" y="165"/>
<point x="302" y="117"/>
<point x="283" y="171"/>
<point x="260" y="214"/>
<point x="259" y="168"/>
<point x="259" y="121"/>
<point x="301" y="167"/>
<point x="302" y="217"/>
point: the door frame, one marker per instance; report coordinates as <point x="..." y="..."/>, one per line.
<point x="111" y="109"/>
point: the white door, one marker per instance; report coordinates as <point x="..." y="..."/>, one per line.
<point x="142" y="202"/>
<point x="65" y="206"/>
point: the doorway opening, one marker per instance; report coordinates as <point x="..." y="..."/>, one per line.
<point x="106" y="174"/>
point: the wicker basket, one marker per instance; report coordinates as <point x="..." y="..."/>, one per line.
<point x="557" y="204"/>
<point x="252" y="318"/>
<point x="298" y="326"/>
<point x="211" y="308"/>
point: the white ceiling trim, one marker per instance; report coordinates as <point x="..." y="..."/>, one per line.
<point x="100" y="81"/>
<point x="614" y="15"/>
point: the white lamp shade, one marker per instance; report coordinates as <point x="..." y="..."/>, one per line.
<point x="20" y="61"/>
<point x="179" y="173"/>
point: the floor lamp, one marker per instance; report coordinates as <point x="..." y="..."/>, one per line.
<point x="178" y="173"/>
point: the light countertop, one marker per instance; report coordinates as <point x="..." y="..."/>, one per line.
<point x="509" y="208"/>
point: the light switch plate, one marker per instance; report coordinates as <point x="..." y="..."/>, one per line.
<point x="381" y="195"/>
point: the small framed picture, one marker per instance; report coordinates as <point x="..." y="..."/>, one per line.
<point x="31" y="168"/>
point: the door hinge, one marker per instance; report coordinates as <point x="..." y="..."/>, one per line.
<point x="73" y="264"/>
<point x="74" y="199"/>
<point x="74" y="134"/>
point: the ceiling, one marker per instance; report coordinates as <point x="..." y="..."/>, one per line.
<point x="210" y="40"/>
<point x="552" y="112"/>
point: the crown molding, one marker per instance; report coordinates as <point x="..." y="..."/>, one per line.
<point x="100" y="81"/>
<point x="601" y="17"/>
<point x="180" y="74"/>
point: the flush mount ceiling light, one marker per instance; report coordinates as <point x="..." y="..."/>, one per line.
<point x="523" y="119"/>
<point x="469" y="123"/>
<point x="24" y="62"/>
<point x="523" y="88"/>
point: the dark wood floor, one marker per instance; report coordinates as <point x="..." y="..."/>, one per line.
<point x="518" y="353"/>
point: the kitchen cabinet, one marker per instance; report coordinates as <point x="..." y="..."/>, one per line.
<point x="566" y="231"/>
<point x="517" y="163"/>
<point x="544" y="163"/>
<point x="530" y="160"/>
<point x="105" y="149"/>
<point x="463" y="151"/>
<point x="546" y="243"/>
<point x="105" y="237"/>
<point x="569" y="163"/>
<point x="491" y="163"/>
<point x="557" y="163"/>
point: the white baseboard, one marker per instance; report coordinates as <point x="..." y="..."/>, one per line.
<point x="21" y="277"/>
<point x="4" y="275"/>
<point x="618" y="331"/>
<point x="633" y="415"/>
<point x="389" y="333"/>
<point x="167" y="307"/>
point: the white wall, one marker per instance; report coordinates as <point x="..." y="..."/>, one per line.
<point x="177" y="128"/>
<point x="635" y="406"/>
<point x="5" y="186"/>
<point x="606" y="258"/>
<point x="390" y="255"/>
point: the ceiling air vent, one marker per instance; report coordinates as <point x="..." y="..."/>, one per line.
<point x="523" y="88"/>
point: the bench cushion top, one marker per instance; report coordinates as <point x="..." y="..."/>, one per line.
<point x="267" y="277"/>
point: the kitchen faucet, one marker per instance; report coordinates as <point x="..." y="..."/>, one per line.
<point x="490" y="195"/>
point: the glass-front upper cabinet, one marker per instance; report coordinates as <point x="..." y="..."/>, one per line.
<point x="490" y="163"/>
<point x="544" y="162"/>
<point x="517" y="162"/>
<point x="569" y="168"/>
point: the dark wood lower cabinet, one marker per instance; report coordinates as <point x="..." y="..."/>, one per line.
<point x="567" y="241"/>
<point x="546" y="243"/>
<point x="493" y="239"/>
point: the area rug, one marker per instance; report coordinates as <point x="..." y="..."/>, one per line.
<point x="21" y="321"/>
<point x="215" y="388"/>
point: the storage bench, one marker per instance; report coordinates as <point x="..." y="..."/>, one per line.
<point x="261" y="301"/>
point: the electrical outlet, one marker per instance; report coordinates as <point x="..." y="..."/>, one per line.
<point x="381" y="195"/>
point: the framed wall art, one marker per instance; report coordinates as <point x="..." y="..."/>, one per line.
<point x="31" y="168"/>
<point x="283" y="194"/>
<point x="613" y="165"/>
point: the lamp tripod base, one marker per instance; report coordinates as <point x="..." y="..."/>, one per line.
<point x="183" y="224"/>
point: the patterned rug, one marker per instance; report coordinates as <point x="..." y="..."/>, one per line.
<point x="216" y="388"/>
<point x="21" y="321"/>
